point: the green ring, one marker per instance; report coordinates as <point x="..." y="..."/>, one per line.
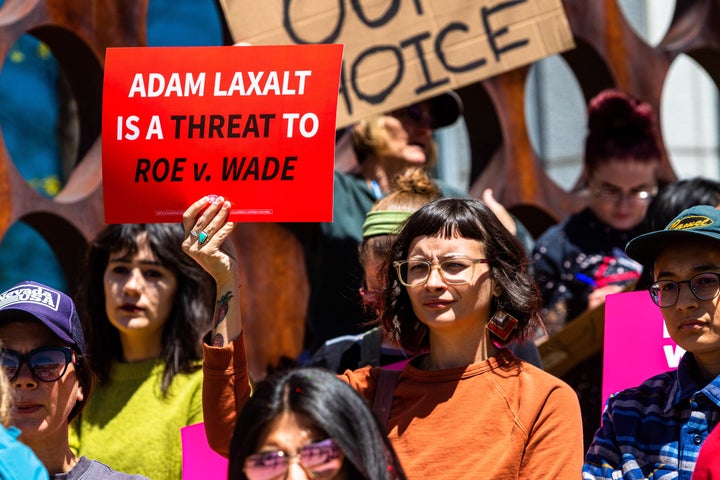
<point x="202" y="237"/>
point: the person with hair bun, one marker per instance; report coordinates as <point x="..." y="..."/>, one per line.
<point x="382" y="146"/>
<point x="581" y="260"/>
<point x="412" y="189"/>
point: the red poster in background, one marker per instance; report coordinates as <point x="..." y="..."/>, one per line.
<point x="254" y="124"/>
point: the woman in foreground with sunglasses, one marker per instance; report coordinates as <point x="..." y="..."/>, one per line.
<point x="43" y="355"/>
<point x="656" y="430"/>
<point x="459" y="290"/>
<point x="305" y="423"/>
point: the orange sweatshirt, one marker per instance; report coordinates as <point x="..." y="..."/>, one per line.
<point x="499" y="419"/>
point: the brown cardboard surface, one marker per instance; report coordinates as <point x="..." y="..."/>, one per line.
<point x="399" y="52"/>
<point x="578" y="341"/>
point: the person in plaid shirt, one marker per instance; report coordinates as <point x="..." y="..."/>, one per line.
<point x="655" y="430"/>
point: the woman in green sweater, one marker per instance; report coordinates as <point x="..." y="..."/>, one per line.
<point x="144" y="308"/>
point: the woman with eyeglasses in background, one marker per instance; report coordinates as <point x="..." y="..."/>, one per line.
<point x="305" y="423"/>
<point x="458" y="289"/>
<point x="579" y="261"/>
<point x="43" y="355"/>
<point x="656" y="429"/>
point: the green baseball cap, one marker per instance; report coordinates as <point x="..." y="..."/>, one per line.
<point x="695" y="222"/>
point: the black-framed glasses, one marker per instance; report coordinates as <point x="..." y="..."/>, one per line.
<point x="46" y="364"/>
<point x="615" y="195"/>
<point x="455" y="271"/>
<point x="319" y="460"/>
<point x="705" y="286"/>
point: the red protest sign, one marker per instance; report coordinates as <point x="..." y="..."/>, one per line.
<point x="254" y="124"/>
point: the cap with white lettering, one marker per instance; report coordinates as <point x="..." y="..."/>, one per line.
<point x="51" y="307"/>
<point x="700" y="221"/>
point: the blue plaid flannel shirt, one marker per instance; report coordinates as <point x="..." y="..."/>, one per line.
<point x="655" y="431"/>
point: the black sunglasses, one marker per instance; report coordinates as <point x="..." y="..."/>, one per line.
<point x="46" y="364"/>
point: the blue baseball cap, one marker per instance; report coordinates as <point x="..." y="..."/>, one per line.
<point x="700" y="221"/>
<point x="51" y="307"/>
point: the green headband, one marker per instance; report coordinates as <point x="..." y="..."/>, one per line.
<point x="384" y="222"/>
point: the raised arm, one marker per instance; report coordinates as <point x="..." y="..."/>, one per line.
<point x="207" y="242"/>
<point x="226" y="384"/>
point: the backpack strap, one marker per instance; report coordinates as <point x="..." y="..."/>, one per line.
<point x="382" y="403"/>
<point x="371" y="347"/>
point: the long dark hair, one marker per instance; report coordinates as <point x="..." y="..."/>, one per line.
<point x="326" y="403"/>
<point x="472" y="219"/>
<point x="191" y="314"/>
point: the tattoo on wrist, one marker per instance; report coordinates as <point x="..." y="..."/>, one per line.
<point x="221" y="308"/>
<point x="218" y="341"/>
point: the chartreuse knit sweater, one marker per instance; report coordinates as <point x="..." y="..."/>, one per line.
<point x="131" y="427"/>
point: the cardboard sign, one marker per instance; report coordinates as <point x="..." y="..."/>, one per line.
<point x="399" y="52"/>
<point x="253" y="124"/>
<point x="199" y="461"/>
<point x="637" y="344"/>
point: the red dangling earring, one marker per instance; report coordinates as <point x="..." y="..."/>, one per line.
<point x="502" y="324"/>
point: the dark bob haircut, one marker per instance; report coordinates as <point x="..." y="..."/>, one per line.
<point x="471" y="219"/>
<point x="326" y="403"/>
<point x="192" y="310"/>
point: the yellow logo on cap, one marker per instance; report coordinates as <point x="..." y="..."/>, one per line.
<point x="693" y="221"/>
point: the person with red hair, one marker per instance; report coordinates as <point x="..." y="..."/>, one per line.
<point x="581" y="260"/>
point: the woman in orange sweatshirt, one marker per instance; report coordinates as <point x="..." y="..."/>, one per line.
<point x="458" y="289"/>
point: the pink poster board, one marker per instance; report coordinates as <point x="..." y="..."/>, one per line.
<point x="636" y="345"/>
<point x="199" y="461"/>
